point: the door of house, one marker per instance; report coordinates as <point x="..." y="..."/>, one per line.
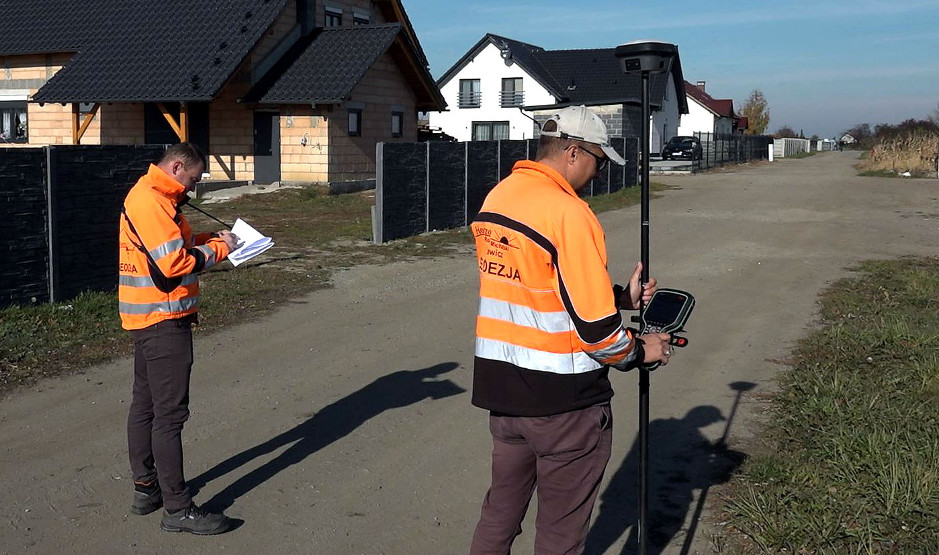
<point x="266" y="147"/>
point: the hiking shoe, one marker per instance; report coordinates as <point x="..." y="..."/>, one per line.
<point x="147" y="498"/>
<point x="195" y="520"/>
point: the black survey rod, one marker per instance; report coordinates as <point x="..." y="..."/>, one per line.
<point x="197" y="209"/>
<point x="643" y="372"/>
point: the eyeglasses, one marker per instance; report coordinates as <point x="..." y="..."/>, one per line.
<point x="601" y="162"/>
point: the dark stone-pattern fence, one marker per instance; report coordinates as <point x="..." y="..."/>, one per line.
<point x="720" y="149"/>
<point x="430" y="186"/>
<point x="59" y="209"/>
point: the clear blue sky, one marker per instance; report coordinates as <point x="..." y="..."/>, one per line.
<point x="823" y="66"/>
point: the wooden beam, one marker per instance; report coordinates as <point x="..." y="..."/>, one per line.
<point x="171" y="120"/>
<point x="89" y="117"/>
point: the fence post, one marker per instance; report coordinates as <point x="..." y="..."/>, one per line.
<point x="466" y="183"/>
<point x="427" y="189"/>
<point x="50" y="238"/>
<point x="377" y="234"/>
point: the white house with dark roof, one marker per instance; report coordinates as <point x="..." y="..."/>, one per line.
<point x="501" y="87"/>
<point x="707" y="114"/>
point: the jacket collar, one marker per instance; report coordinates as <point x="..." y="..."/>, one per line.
<point x="164" y="183"/>
<point x="548" y="171"/>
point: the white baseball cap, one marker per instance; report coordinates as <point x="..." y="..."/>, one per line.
<point x="577" y="122"/>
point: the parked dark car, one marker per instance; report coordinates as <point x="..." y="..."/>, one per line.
<point x="682" y="148"/>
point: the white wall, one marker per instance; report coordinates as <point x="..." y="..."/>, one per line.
<point x="698" y="119"/>
<point x="489" y="67"/>
<point x="701" y="120"/>
<point x="665" y="122"/>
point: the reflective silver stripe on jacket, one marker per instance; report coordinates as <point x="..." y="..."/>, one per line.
<point x="166" y="248"/>
<point x="147" y="281"/>
<point x="209" y="256"/>
<point x="610" y="354"/>
<point x="551" y="322"/>
<point x="531" y="359"/>
<point x="167" y="307"/>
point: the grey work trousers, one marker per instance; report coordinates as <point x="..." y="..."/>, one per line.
<point x="564" y="457"/>
<point x="160" y="407"/>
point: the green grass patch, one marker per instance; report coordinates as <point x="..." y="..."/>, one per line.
<point x="851" y="459"/>
<point x="316" y="234"/>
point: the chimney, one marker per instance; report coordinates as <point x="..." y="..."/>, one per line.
<point x="700" y="85"/>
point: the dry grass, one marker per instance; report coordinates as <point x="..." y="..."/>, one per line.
<point x="915" y="152"/>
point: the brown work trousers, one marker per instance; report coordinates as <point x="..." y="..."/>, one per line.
<point x="563" y="456"/>
<point x="160" y="407"/>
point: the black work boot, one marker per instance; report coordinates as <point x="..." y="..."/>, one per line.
<point x="147" y="497"/>
<point x="195" y="520"/>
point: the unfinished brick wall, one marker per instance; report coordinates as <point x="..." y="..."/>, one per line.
<point x="382" y="88"/>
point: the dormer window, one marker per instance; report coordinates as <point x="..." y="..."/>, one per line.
<point x="333" y="17"/>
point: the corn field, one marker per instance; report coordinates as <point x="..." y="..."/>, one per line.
<point x="916" y="151"/>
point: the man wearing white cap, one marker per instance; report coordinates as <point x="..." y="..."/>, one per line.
<point x="547" y="331"/>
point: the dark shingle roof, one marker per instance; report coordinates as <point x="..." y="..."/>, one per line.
<point x="591" y="76"/>
<point x="136" y="50"/>
<point x="720" y="106"/>
<point x="326" y="67"/>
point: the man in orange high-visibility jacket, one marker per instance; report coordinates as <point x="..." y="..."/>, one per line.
<point x="158" y="298"/>
<point x="547" y="331"/>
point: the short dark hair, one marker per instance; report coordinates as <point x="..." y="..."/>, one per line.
<point x="187" y="153"/>
<point x="549" y="146"/>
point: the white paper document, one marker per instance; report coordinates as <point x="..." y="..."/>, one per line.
<point x="251" y="241"/>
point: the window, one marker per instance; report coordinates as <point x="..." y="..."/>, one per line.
<point x="512" y="93"/>
<point x="360" y="18"/>
<point x="355" y="122"/>
<point x="333" y="17"/>
<point x="469" y="93"/>
<point x="397" y="124"/>
<point x="13" y="124"/>
<point x="490" y="130"/>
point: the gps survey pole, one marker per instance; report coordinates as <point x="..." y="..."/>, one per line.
<point x="645" y="58"/>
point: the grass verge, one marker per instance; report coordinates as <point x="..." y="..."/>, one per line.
<point x="316" y="235"/>
<point x="850" y="462"/>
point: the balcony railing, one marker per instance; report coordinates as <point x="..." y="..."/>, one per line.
<point x="511" y="99"/>
<point x="469" y="99"/>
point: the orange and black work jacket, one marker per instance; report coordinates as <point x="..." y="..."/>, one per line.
<point x="548" y="326"/>
<point x="159" y="258"/>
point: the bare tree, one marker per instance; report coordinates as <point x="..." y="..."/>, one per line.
<point x="934" y="116"/>
<point x="861" y="131"/>
<point x="756" y="110"/>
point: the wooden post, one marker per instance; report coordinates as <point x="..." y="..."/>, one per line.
<point x="184" y="122"/>
<point x="172" y="121"/>
<point x="78" y="130"/>
<point x="76" y="109"/>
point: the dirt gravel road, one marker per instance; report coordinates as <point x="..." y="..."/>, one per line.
<point x="342" y="424"/>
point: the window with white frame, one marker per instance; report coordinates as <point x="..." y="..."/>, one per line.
<point x="14" y="127"/>
<point x="397" y="124"/>
<point x="470" y="94"/>
<point x="355" y="122"/>
<point x="490" y="130"/>
<point x="333" y="17"/>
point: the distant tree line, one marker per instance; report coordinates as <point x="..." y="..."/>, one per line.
<point x="867" y="137"/>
